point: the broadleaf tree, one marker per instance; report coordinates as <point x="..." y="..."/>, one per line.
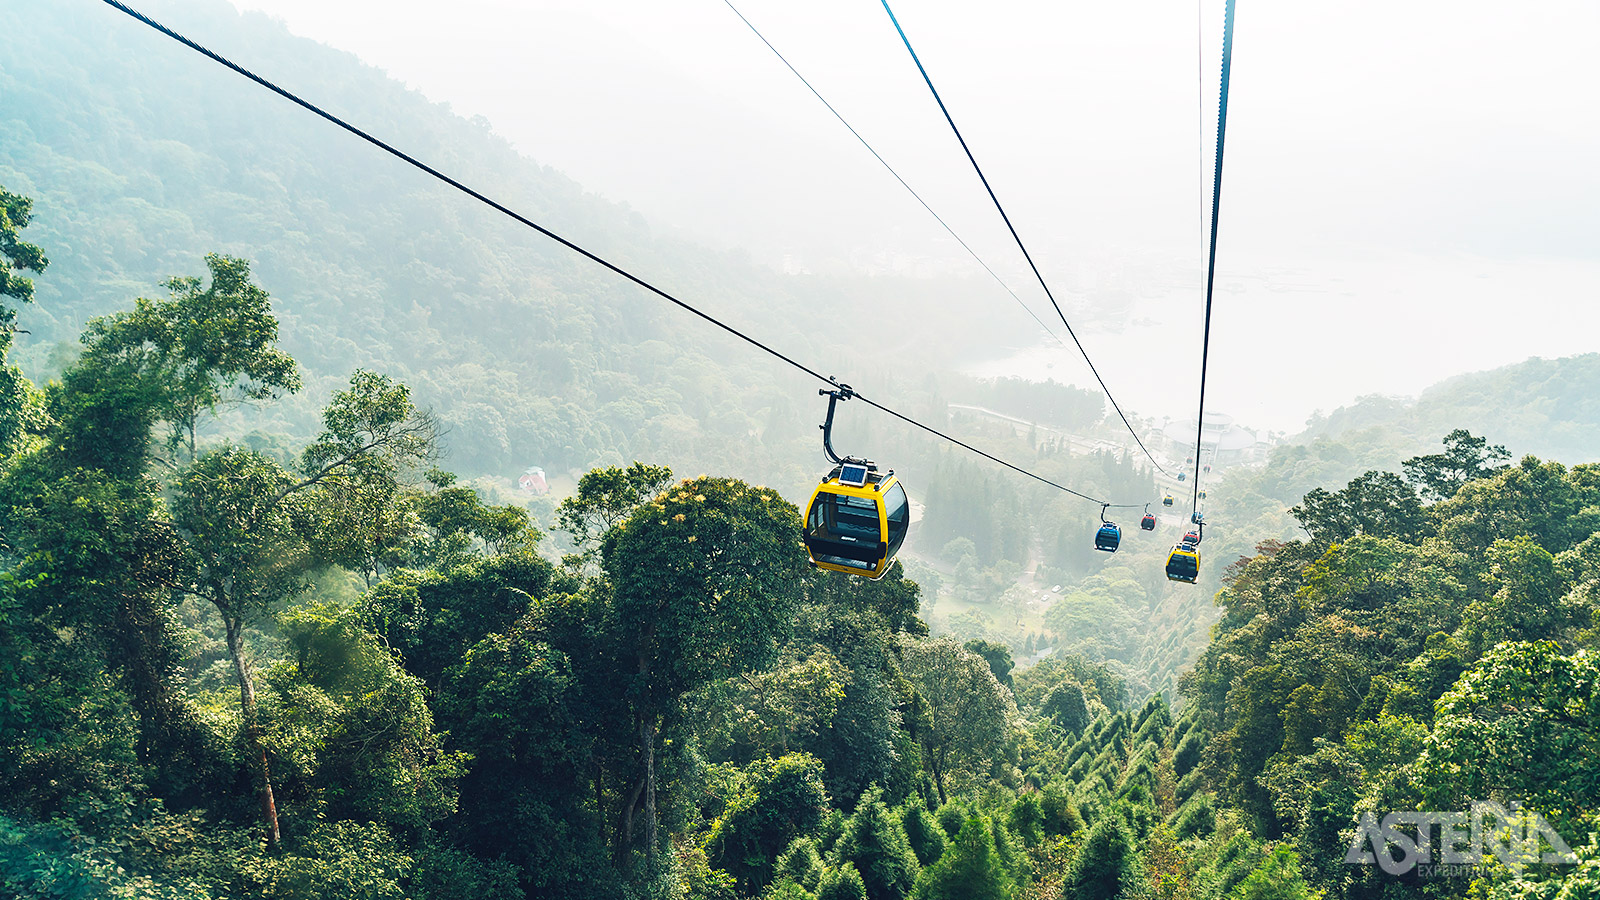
<point x="704" y="581"/>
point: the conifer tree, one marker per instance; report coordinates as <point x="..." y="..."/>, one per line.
<point x="950" y="818"/>
<point x="1188" y="753"/>
<point x="1276" y="878"/>
<point x="923" y="831"/>
<point x="842" y="883"/>
<point x="801" y="864"/>
<point x="1027" y="819"/>
<point x="876" y="845"/>
<point x="1107" y="866"/>
<point x="969" y="870"/>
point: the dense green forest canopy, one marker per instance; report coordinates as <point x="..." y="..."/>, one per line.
<point x="238" y="671"/>
<point x="272" y="625"/>
<point x="141" y="159"/>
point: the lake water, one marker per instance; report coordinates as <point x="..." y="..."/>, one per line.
<point x="1288" y="340"/>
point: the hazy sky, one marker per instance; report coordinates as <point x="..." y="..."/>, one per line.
<point x="1411" y="188"/>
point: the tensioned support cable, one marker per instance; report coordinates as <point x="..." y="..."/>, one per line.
<point x="903" y="183"/>
<point x="1211" y="262"/>
<point x="592" y="257"/>
<point x="1018" y="238"/>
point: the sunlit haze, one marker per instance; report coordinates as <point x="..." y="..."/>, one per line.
<point x="1409" y="193"/>
<point x="588" y="472"/>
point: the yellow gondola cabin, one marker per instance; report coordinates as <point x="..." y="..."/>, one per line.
<point x="856" y="520"/>
<point x="1183" y="563"/>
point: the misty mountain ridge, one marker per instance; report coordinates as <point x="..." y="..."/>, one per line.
<point x="1544" y="407"/>
<point x="322" y="645"/>
<point x="375" y="265"/>
<point x="142" y="156"/>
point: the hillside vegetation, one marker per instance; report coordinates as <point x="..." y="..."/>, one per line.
<point x="142" y="157"/>
<point x="273" y="623"/>
<point x="328" y="670"/>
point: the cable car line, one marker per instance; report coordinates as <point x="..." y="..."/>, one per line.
<point x="903" y="183"/>
<point x="1183" y="563"/>
<point x="413" y="161"/>
<point x="599" y="260"/>
<point x="960" y="443"/>
<point x="1211" y="264"/>
<point x="1018" y="238"/>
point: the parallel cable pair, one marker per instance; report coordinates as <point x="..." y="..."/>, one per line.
<point x="1211" y="263"/>
<point x="1018" y="238"/>
<point x="903" y="183"/>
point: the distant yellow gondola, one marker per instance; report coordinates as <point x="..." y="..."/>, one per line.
<point x="1183" y="563"/>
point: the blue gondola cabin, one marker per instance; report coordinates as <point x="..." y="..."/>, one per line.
<point x="1108" y="537"/>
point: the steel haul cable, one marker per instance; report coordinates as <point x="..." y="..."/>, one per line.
<point x="1211" y="262"/>
<point x="498" y="207"/>
<point x="1018" y="238"/>
<point x="836" y="114"/>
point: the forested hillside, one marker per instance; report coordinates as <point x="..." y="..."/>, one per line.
<point x="1543" y="407"/>
<point x="271" y="627"/>
<point x="141" y="158"/>
<point x="1546" y="407"/>
<point x="327" y="670"/>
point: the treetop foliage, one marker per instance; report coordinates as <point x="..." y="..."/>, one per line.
<point x="1466" y="458"/>
<point x="203" y="346"/>
<point x="307" y="661"/>
<point x="16" y="255"/>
